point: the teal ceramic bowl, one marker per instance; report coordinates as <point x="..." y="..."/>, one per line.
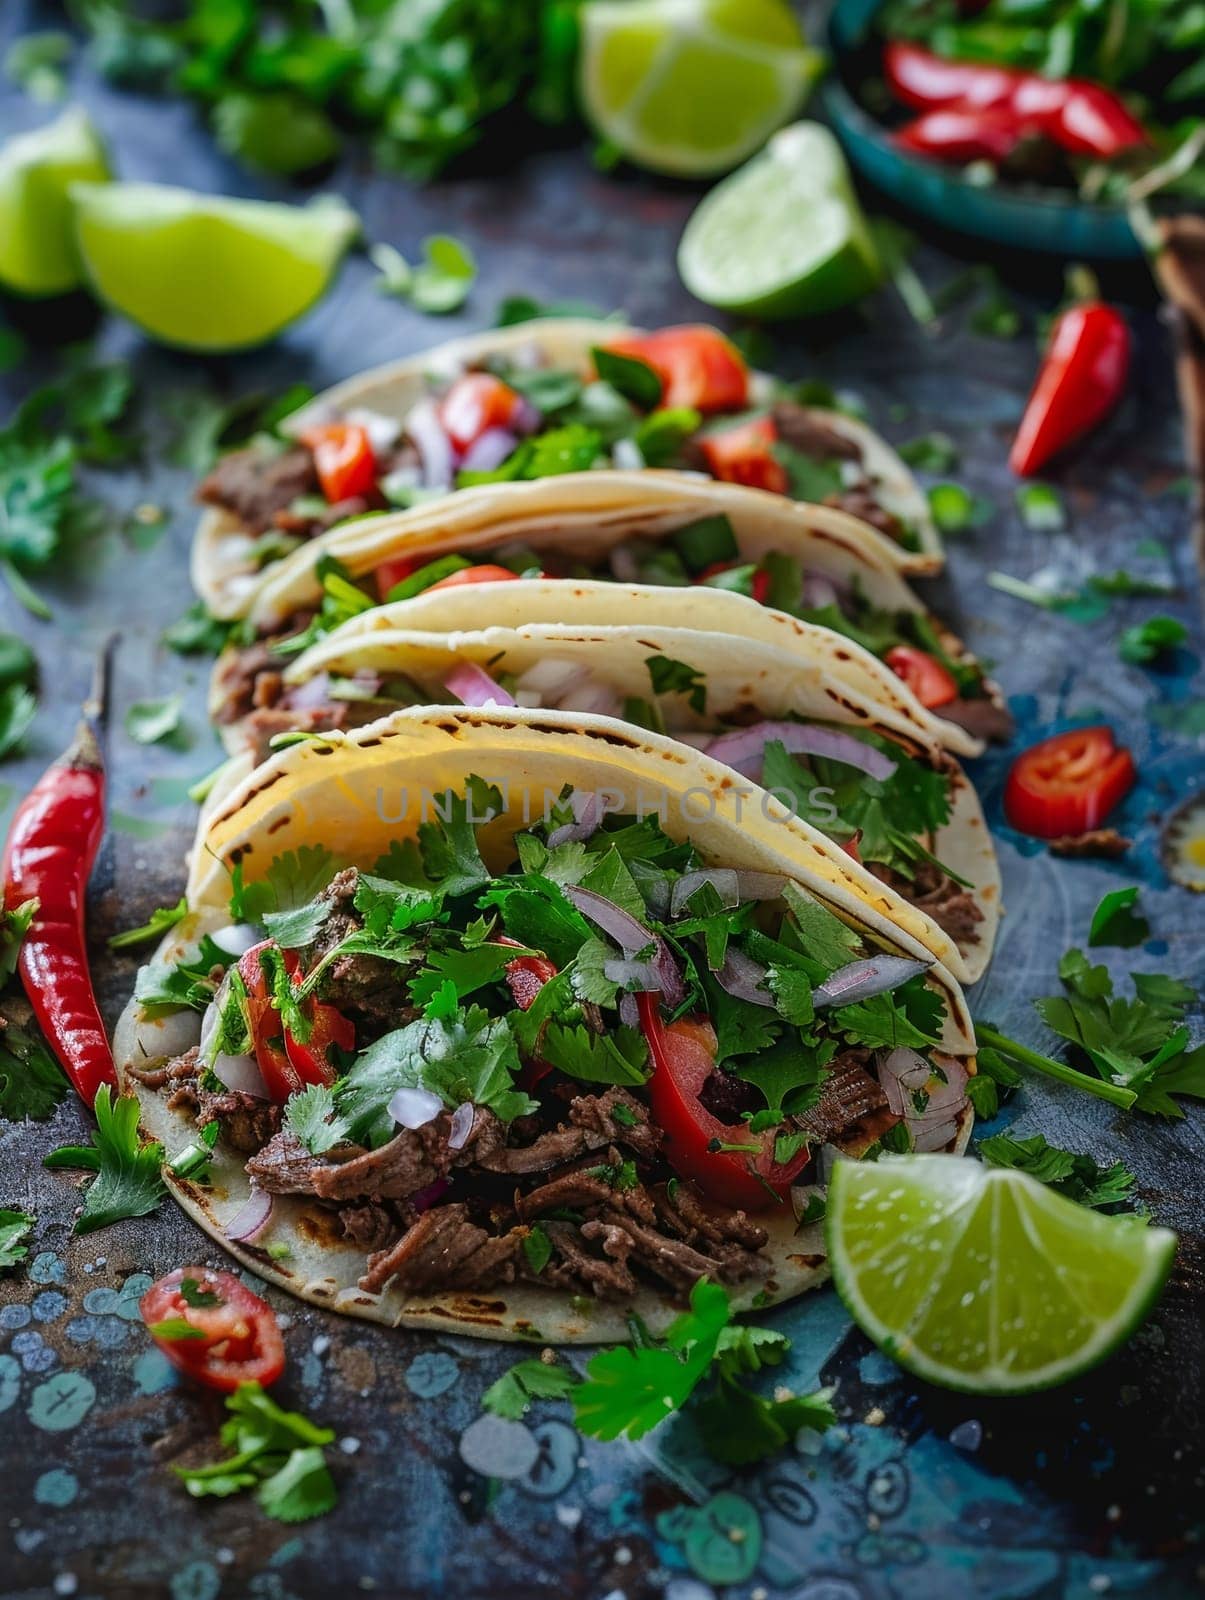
<point x="1028" y="218"/>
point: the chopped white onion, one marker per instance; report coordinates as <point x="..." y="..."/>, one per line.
<point x="526" y="418"/>
<point x="252" y="1218"/>
<point x="489" y="450"/>
<point x="473" y="686"/>
<point x="236" y="938"/>
<point x="623" y="564"/>
<point x="818" y="591"/>
<point x="461" y="1125"/>
<point x="629" y="1012"/>
<point x="383" y="432"/>
<point x="242" y="1074"/>
<point x="722" y="879"/>
<point x="596" y="699"/>
<point x="759" y="885"/>
<point x="433" y="445"/>
<point x="625" y="454"/>
<point x="862" y="980"/>
<point x="414" y="1108"/>
<point x="551" y="677"/>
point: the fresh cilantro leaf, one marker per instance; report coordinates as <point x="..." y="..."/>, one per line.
<point x="536" y="914"/>
<point x="465" y="970"/>
<point x="630" y="1390"/>
<point x="158" y="923"/>
<point x="537" y="1246"/>
<point x="299" y="926"/>
<point x="739" y="1427"/>
<point x="18" y="708"/>
<point x="32" y="1083"/>
<point x="993" y="1080"/>
<point x="790" y="1074"/>
<point x="468" y="1057"/>
<point x="676" y="677"/>
<point x="299" y="1490"/>
<point x="310" y="1116"/>
<point x="610" y="875"/>
<point x="1041" y="508"/>
<point x="14" y="925"/>
<point x="909" y="1016"/>
<point x="513" y="1393"/>
<point x="826" y="939"/>
<point x="128" y="1181"/>
<point x="587" y="977"/>
<point x="152" y="721"/>
<point x="1147" y="641"/>
<point x="660" y="436"/>
<point x="14" y="1228"/>
<point x="552" y="1030"/>
<point x="35" y="62"/>
<point x="198" y="633"/>
<point x="741" y="1027"/>
<point x="443" y="278"/>
<point x="807" y="478"/>
<point x="746" y="1347"/>
<point x="173" y="1329"/>
<point x="1115" y="923"/>
<point x="257" y="1423"/>
<point x="635" y="379"/>
<point x="279" y="133"/>
<point x="163" y="986"/>
<point x="931" y="452"/>
<point x="792" y="991"/>
<point x="1078" y="1177"/>
<point x="292" y="880"/>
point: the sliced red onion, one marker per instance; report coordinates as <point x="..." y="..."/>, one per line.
<point x="934" y="1136"/>
<point x="900" y="1072"/>
<point x="641" y="976"/>
<point x="414" y="1108"/>
<point x="242" y="1074"/>
<point x="741" y="976"/>
<point x="625" y="454"/>
<point x="433" y="445"/>
<point x="526" y="418"/>
<point x="311" y="694"/>
<point x="587" y="812"/>
<point x="631" y="936"/>
<point x="426" y="1198"/>
<point x="722" y="879"/>
<point x="489" y="450"/>
<point x="251" y="1220"/>
<point x="744" y="748"/>
<point x="623" y="565"/>
<point x="818" y="591"/>
<point x="759" y="885"/>
<point x="236" y="938"/>
<point x="461" y="1125"/>
<point x="383" y="432"/>
<point x="473" y="686"/>
<point x="861" y="980"/>
<point x="629" y="1011"/>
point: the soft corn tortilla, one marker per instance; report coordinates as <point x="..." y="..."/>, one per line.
<point x="223" y="570"/>
<point x="339" y="792"/>
<point x="584" y="516"/>
<point x="752" y="681"/>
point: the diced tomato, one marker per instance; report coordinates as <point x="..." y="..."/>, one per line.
<point x="924" y="674"/>
<point x="699" y="368"/>
<point x="683" y="1055"/>
<point x="526" y="976"/>
<point x="759" y="584"/>
<point x="485" y="573"/>
<point x="285" y="1062"/>
<point x="851" y="847"/>
<point x="392" y="572"/>
<point x="475" y="403"/>
<point x="343" y="459"/>
<point x="1068" y="784"/>
<point x="211" y="1327"/>
<point x="745" y="454"/>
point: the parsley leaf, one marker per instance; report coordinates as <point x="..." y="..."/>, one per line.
<point x="157" y="924"/>
<point x="128" y="1181"/>
<point x="1078" y="1177"/>
<point x="32" y="1083"/>
<point x="513" y="1393"/>
<point x="14" y="1226"/>
<point x="299" y="1490"/>
<point x="14" y="925"/>
<point x="675" y="677"/>
<point x="1115" y="923"/>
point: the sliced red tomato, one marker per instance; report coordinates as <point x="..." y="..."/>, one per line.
<point x="683" y="1055"/>
<point x="285" y="1062"/>
<point x="485" y="573"/>
<point x="210" y="1326"/>
<point x="526" y="976"/>
<point x="474" y="404"/>
<point x="699" y="368"/>
<point x="924" y="674"/>
<point x="851" y="847"/>
<point x="745" y="454"/>
<point x="392" y="572"/>
<point x="1068" y="784"/>
<point x="759" y="586"/>
<point x="343" y="459"/>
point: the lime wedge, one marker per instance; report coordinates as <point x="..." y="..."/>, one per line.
<point x="204" y="272"/>
<point x="983" y="1279"/>
<point x="37" y="242"/>
<point x="784" y="236"/>
<point x="691" y="87"/>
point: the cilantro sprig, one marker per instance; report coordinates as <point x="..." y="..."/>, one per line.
<point x="277" y="1453"/>
<point x="128" y="1182"/>
<point x="15" y="1227"/>
<point x="1079" y="1177"/>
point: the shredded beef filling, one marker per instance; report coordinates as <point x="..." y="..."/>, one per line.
<point x="257" y="485"/>
<point x="981" y="717"/>
<point x="930" y="890"/>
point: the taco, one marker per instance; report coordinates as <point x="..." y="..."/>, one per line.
<point x="689" y="544"/>
<point x="849" y="769"/>
<point x="513" y="1024"/>
<point x="534" y="400"/>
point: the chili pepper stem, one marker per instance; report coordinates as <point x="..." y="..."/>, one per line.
<point x="83" y="751"/>
<point x="1113" y="1093"/>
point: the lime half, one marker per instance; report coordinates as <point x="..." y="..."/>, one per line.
<point x="691" y="87"/>
<point x="784" y="236"/>
<point x="37" y="242"/>
<point x="983" y="1279"/>
<point x="202" y="271"/>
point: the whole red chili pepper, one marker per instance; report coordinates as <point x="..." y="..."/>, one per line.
<point x="1079" y="116"/>
<point x="52" y="844"/>
<point x="1081" y="379"/>
<point x="964" y="133"/>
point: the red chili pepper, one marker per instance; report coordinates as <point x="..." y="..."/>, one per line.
<point x="962" y="133"/>
<point x="1079" y="116"/>
<point x="1068" y="784"/>
<point x="1081" y="379"/>
<point x="285" y="1063"/>
<point x="52" y="845"/>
